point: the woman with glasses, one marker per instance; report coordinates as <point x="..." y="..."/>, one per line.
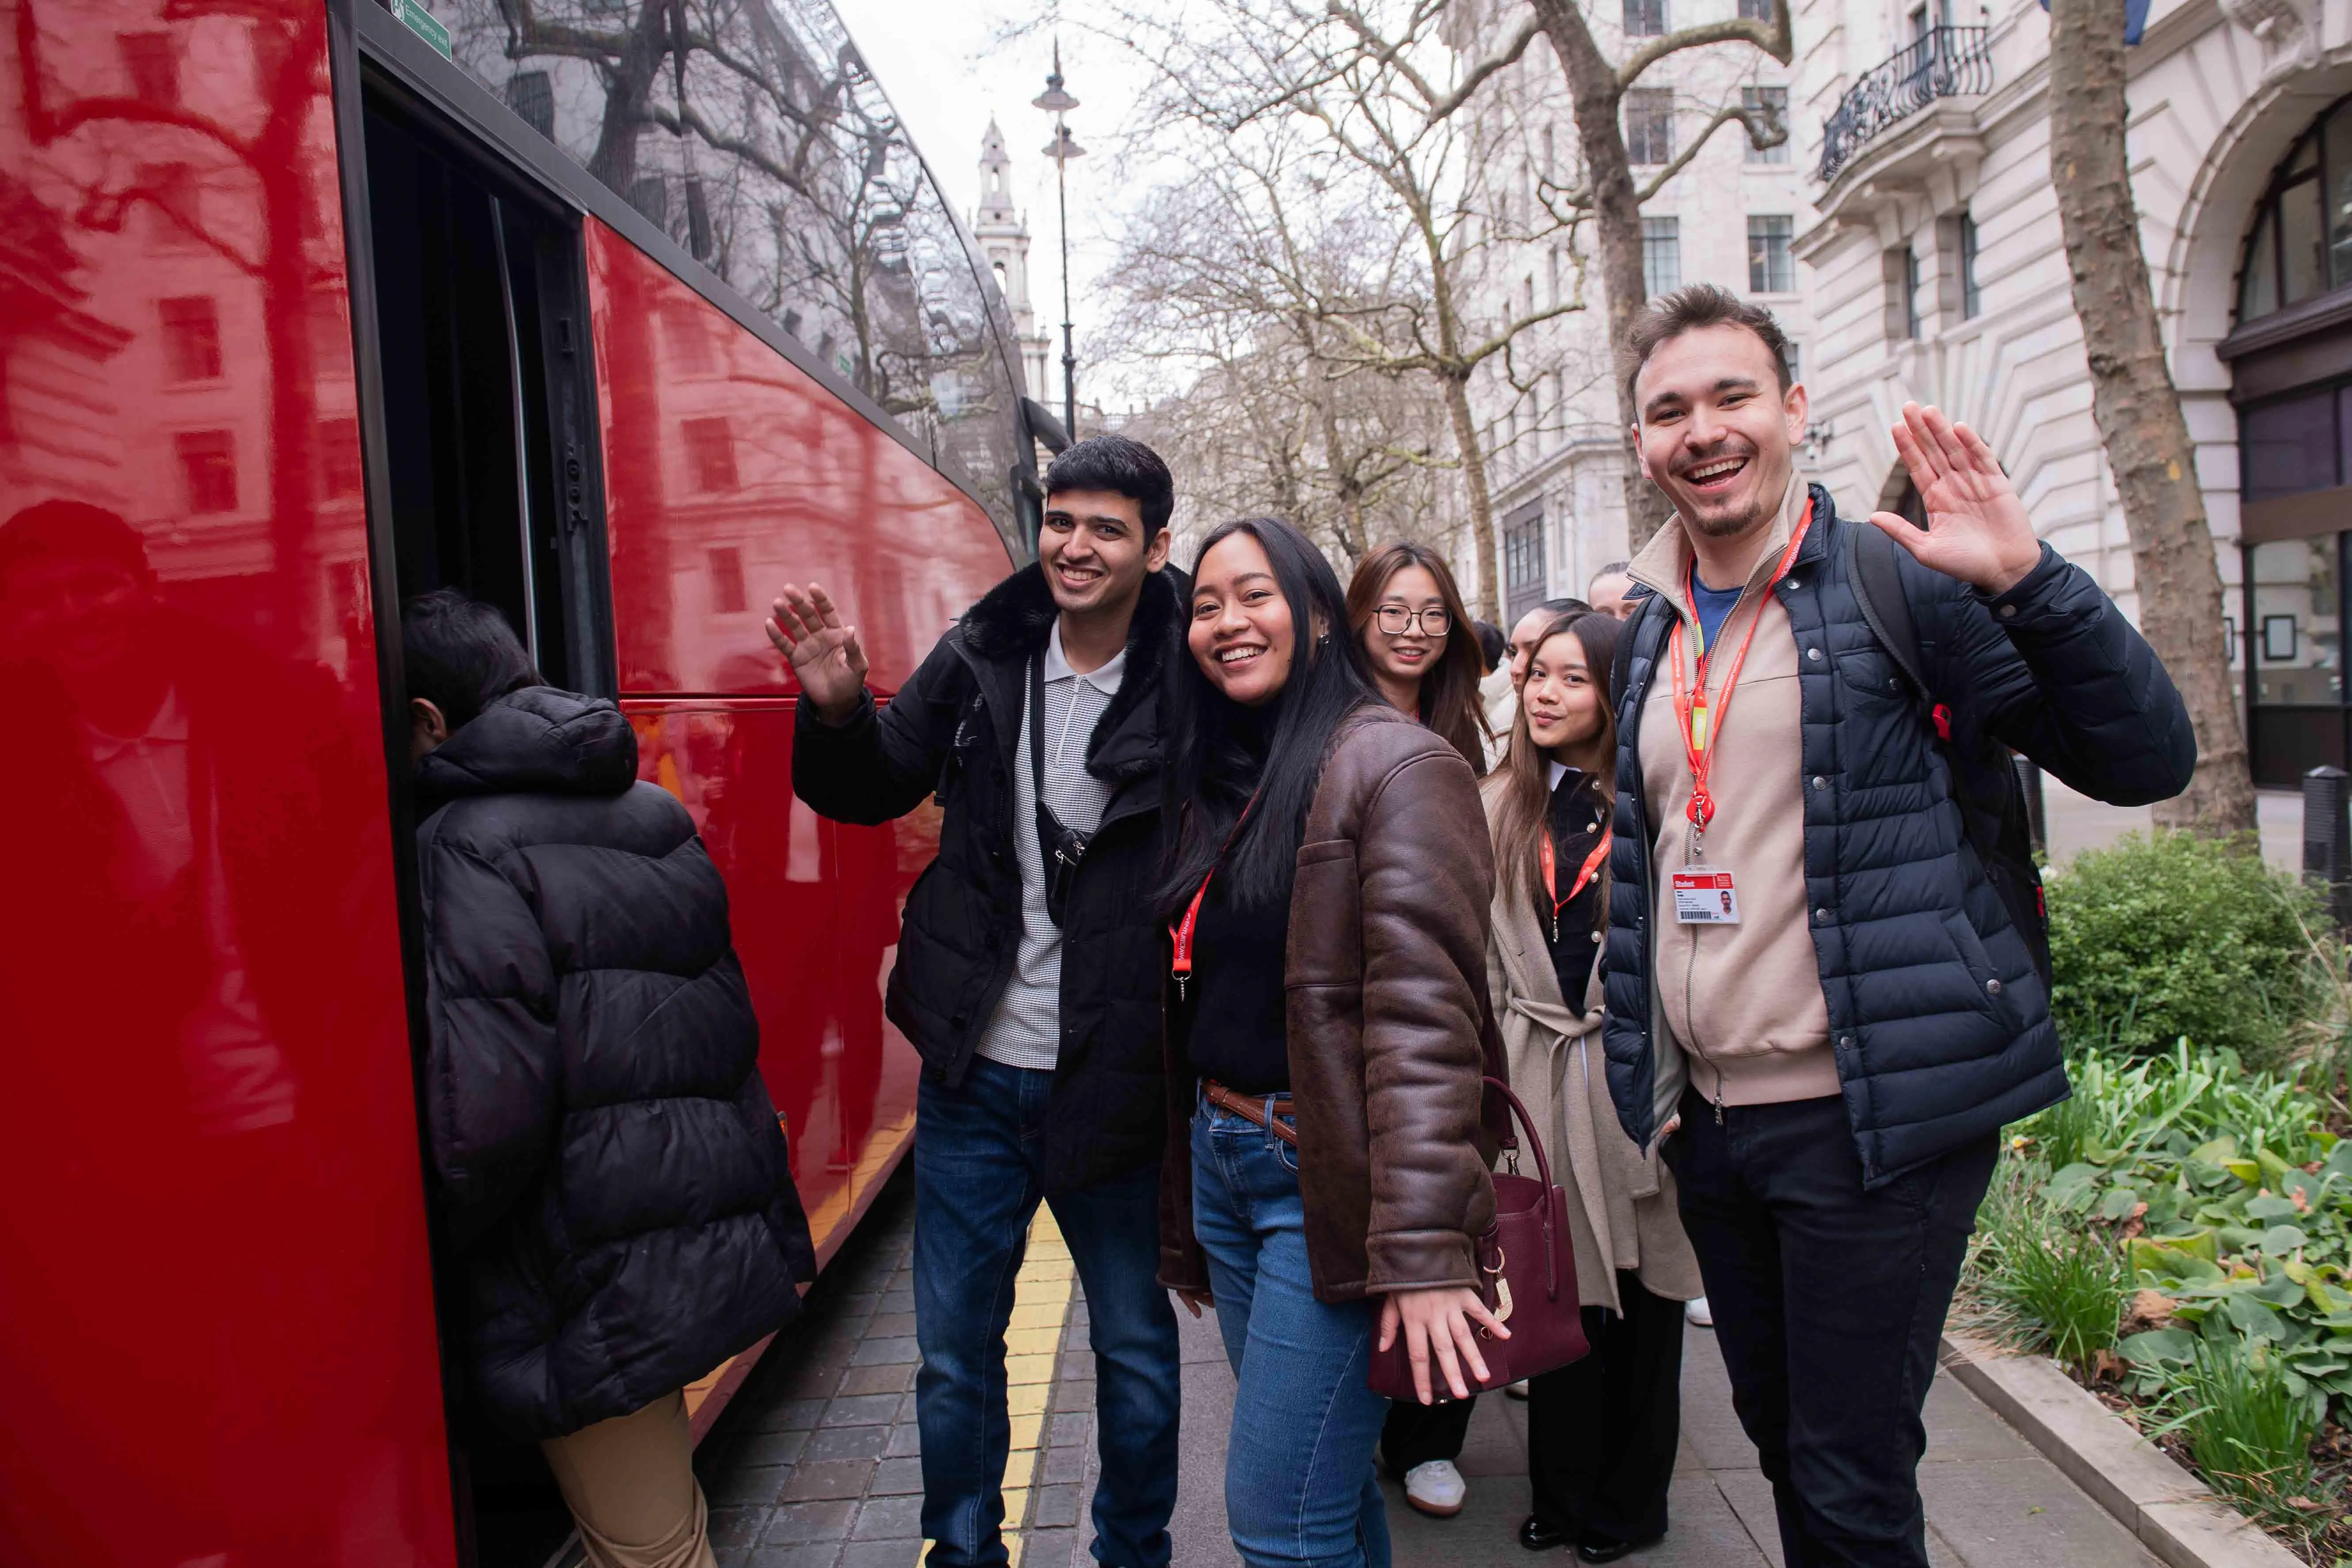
<point x="1420" y="646"/>
<point x="1421" y="649"/>
<point x="1326" y="1165"/>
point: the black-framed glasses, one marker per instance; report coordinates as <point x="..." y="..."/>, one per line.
<point x="1395" y="620"/>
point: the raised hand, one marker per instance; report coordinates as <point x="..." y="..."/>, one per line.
<point x="1976" y="528"/>
<point x="825" y="658"/>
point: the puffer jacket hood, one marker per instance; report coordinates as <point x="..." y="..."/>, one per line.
<point x="539" y="740"/>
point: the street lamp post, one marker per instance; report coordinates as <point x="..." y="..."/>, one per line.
<point x="1062" y="149"/>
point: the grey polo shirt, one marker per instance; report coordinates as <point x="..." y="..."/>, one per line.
<point x="1026" y="1031"/>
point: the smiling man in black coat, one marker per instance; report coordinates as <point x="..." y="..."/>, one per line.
<point x="614" y="1172"/>
<point x="1028" y="974"/>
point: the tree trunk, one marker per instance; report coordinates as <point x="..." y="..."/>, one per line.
<point x="1486" y="604"/>
<point x="1593" y="96"/>
<point x="2136" y="409"/>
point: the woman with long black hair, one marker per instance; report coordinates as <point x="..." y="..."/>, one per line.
<point x="1327" y="1152"/>
<point x="1602" y="1431"/>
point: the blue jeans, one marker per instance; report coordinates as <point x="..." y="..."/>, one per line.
<point x="976" y="1154"/>
<point x="1300" y="1488"/>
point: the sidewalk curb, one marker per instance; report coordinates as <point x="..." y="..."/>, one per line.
<point x="2169" y="1511"/>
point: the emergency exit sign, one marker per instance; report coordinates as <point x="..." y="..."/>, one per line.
<point x="423" y="23"/>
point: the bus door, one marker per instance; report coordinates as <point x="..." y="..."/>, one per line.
<point x="488" y="440"/>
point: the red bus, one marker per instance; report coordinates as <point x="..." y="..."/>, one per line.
<point x="613" y="312"/>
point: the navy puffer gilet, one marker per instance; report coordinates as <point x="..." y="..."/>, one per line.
<point x="1939" y="1020"/>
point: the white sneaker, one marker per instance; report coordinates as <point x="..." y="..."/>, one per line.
<point x="1695" y="1313"/>
<point x="1435" y="1489"/>
<point x="1516" y="1390"/>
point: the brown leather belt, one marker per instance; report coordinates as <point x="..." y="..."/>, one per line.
<point x="1251" y="1109"/>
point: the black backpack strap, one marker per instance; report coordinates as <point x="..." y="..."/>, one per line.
<point x="1874" y="570"/>
<point x="1877" y="580"/>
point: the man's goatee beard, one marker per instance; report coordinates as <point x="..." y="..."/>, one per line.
<point x="1731" y="526"/>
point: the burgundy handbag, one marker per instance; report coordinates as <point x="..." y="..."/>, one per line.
<point x="1527" y="1272"/>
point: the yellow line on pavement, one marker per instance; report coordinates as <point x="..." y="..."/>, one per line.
<point x="1041" y="1305"/>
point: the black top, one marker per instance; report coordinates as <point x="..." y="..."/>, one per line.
<point x="1238" y="1032"/>
<point x="1575" y="937"/>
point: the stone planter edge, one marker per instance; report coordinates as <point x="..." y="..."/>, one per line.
<point x="2172" y="1513"/>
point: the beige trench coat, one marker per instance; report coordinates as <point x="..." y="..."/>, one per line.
<point x="1620" y="1204"/>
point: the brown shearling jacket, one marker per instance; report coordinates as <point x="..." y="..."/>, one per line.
<point x="1390" y="1024"/>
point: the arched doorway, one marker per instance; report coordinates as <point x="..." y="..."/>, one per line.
<point x="2290" y="358"/>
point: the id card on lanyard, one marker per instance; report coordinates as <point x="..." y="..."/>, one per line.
<point x="1705" y="894"/>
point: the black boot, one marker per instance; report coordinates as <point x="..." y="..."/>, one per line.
<point x="1537" y="1536"/>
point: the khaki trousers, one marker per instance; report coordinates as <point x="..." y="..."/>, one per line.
<point x="630" y="1485"/>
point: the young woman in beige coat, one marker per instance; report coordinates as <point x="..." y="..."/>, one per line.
<point x="1602" y="1432"/>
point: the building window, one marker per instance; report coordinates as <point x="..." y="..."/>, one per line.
<point x="1773" y="101"/>
<point x="2301" y="243"/>
<point x="191" y="350"/>
<point x="689" y="340"/>
<point x="1770" y="268"/>
<point x="1911" y="291"/>
<point x="728" y="595"/>
<point x="338" y="458"/>
<point x="1662" y="254"/>
<point x="208" y="469"/>
<point x="153" y="64"/>
<point x="1755" y="10"/>
<point x="1645" y="18"/>
<point x="1649" y="125"/>
<point x="1796" y="369"/>
<point x="1971" y="301"/>
<point x="532" y="95"/>
<point x="176" y="206"/>
<point x="1523" y="560"/>
<point x="710" y="453"/>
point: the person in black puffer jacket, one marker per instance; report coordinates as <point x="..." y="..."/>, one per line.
<point x="613" y="1173"/>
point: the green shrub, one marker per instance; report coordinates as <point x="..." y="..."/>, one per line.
<point x="2177" y="935"/>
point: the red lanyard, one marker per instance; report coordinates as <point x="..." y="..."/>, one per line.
<point x="1551" y="874"/>
<point x="1181" y="932"/>
<point x="1692" y="709"/>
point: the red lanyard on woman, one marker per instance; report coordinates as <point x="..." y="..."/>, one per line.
<point x="1551" y="874"/>
<point x="1180" y="933"/>
<point x="1691" y="708"/>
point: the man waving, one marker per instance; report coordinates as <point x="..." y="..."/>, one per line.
<point x="1827" y="971"/>
<point x="1028" y="974"/>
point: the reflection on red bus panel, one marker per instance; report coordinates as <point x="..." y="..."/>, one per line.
<point x="730" y="472"/>
<point x="216" y="1335"/>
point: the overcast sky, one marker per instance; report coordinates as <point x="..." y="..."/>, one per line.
<point x="947" y="66"/>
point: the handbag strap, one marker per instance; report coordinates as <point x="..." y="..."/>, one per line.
<point x="1543" y="1174"/>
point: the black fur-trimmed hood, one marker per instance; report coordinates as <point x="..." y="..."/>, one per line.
<point x="1012" y="624"/>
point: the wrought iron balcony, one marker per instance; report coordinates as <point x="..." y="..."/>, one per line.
<point x="1944" y="62"/>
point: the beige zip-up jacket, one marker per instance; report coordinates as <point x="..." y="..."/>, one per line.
<point x="1743" y="1001"/>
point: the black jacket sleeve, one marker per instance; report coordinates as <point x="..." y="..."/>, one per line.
<point x="2054" y="670"/>
<point x="492" y="1063"/>
<point x="880" y="764"/>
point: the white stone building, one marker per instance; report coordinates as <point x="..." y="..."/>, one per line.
<point x="1937" y="271"/>
<point x="1930" y="265"/>
<point x="1732" y="217"/>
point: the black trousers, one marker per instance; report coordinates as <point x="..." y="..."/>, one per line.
<point x="1828" y="1302"/>
<point x="1415" y="1434"/>
<point x="1602" y="1432"/>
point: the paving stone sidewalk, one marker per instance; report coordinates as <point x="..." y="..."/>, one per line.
<point x="814" y="1466"/>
